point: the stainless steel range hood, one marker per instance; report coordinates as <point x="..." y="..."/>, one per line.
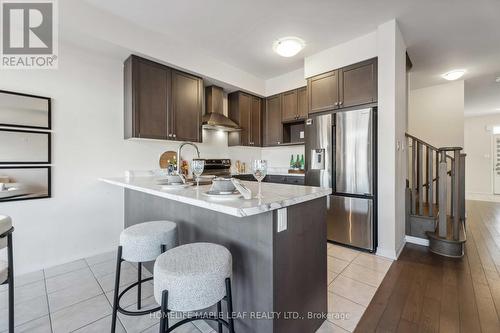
<point x="214" y="118"/>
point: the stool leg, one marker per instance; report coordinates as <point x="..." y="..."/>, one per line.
<point x="139" y="276"/>
<point x="164" y="312"/>
<point x="11" y="282"/>
<point x="117" y="288"/>
<point x="229" y="305"/>
<point x="219" y="310"/>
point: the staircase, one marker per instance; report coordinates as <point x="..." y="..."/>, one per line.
<point x="435" y="196"/>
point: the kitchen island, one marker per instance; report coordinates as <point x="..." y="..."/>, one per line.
<point x="278" y="246"/>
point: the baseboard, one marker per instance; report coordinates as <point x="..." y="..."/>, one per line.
<point x="417" y="240"/>
<point x="386" y="253"/>
<point x="398" y="253"/>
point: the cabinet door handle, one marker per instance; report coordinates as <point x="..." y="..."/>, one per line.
<point x="174" y="135"/>
<point x="340" y="103"/>
<point x="169" y="135"/>
<point x="336" y="103"/>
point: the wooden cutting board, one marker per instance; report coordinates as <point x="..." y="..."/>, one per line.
<point x="167" y="158"/>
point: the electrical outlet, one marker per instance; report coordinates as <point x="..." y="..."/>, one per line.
<point x="282" y="220"/>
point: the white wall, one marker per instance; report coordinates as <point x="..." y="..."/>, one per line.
<point x="436" y="114"/>
<point x="348" y="53"/>
<point x="478" y="139"/>
<point x="113" y="30"/>
<point x="392" y="110"/>
<point x="291" y="80"/>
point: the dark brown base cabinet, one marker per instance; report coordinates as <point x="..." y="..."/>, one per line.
<point x="161" y="102"/>
<point x="345" y="87"/>
<point x="245" y="110"/>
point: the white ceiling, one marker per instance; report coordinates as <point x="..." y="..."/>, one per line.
<point x="482" y="96"/>
<point x="440" y="34"/>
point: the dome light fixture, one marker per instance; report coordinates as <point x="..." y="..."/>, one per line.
<point x="454" y="74"/>
<point x="288" y="46"/>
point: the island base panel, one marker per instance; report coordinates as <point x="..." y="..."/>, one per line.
<point x="272" y="272"/>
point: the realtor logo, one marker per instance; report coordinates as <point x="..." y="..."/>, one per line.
<point x="29" y="34"/>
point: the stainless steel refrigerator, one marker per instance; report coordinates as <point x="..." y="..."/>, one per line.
<point x="340" y="154"/>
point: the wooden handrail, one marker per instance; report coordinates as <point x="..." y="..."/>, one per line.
<point x="431" y="146"/>
<point x="421" y="142"/>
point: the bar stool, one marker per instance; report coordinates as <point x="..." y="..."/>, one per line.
<point x="7" y="268"/>
<point x="193" y="277"/>
<point x="141" y="243"/>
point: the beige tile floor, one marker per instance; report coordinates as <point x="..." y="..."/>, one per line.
<point x="76" y="297"/>
<point x="353" y="279"/>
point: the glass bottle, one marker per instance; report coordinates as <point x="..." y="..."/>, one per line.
<point x="302" y="162"/>
<point x="297" y="163"/>
<point x="292" y="163"/>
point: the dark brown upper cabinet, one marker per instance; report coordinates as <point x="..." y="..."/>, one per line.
<point x="345" y="87"/>
<point x="187" y="105"/>
<point x="273" y="127"/>
<point x="358" y="84"/>
<point x="246" y="111"/>
<point x="256" y="121"/>
<point x="323" y="91"/>
<point x="289" y="111"/>
<point x="302" y="103"/>
<point x="161" y="102"/>
<point x="294" y="107"/>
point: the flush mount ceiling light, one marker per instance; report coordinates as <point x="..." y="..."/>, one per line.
<point x="454" y="74"/>
<point x="288" y="46"/>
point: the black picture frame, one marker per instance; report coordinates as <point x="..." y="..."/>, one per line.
<point x="49" y="147"/>
<point x="49" y="183"/>
<point x="49" y="111"/>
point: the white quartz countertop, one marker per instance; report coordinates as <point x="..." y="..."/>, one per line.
<point x="275" y="195"/>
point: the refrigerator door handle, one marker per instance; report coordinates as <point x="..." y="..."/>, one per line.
<point x="328" y="203"/>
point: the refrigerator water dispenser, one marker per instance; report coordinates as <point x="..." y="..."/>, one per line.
<point x="317" y="159"/>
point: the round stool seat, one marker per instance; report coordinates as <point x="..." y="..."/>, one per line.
<point x="142" y="242"/>
<point x="5" y="223"/>
<point x="193" y="274"/>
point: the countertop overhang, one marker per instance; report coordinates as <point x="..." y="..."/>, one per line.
<point x="276" y="196"/>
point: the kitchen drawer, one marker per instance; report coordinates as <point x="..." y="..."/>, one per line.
<point x="277" y="179"/>
<point x="294" y="180"/>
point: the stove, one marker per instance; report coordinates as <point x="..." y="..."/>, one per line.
<point x="217" y="167"/>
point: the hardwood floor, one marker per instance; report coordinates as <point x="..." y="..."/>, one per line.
<point x="423" y="292"/>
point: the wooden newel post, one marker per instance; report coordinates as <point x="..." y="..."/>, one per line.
<point x="456" y="189"/>
<point x="442" y="181"/>
<point x="462" y="187"/>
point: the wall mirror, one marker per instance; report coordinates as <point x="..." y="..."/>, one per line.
<point x="24" y="147"/>
<point x="24" y="183"/>
<point x="23" y="110"/>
